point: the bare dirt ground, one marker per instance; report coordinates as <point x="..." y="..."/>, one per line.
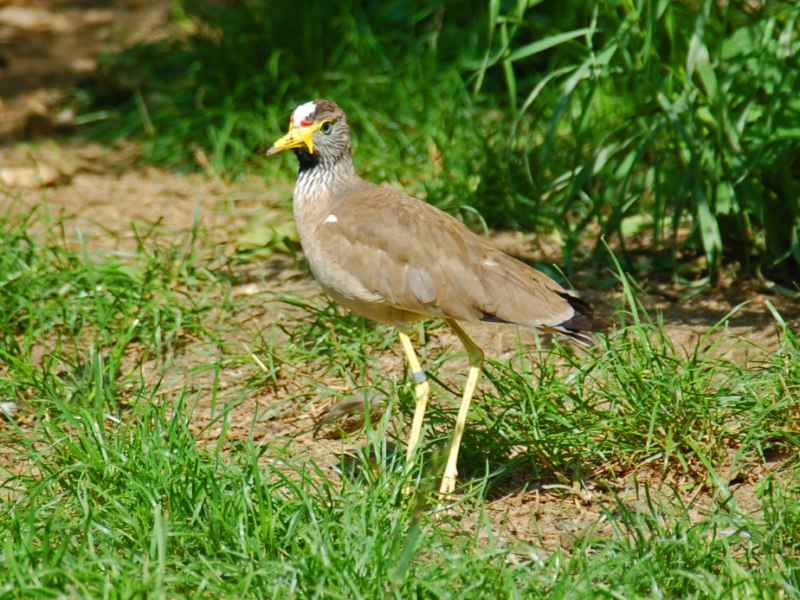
<point x="47" y="45"/>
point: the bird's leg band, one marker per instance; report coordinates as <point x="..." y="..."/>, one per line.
<point x="419" y="376"/>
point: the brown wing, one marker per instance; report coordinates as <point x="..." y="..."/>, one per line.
<point x="422" y="260"/>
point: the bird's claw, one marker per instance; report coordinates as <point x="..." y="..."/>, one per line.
<point x="448" y="484"/>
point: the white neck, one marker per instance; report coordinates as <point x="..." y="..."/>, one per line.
<point x="320" y="181"/>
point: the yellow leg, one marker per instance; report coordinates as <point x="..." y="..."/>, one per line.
<point x="475" y="355"/>
<point x="421" y="390"/>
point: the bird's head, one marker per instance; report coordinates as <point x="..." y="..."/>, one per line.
<point x="316" y="129"/>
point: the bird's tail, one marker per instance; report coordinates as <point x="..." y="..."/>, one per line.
<point x="583" y="324"/>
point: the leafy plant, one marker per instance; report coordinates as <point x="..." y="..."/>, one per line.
<point x="665" y="115"/>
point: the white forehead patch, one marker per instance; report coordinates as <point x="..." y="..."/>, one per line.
<point x="331" y="219"/>
<point x="303" y="112"/>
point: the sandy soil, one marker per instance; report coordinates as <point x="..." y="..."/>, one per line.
<point x="47" y="45"/>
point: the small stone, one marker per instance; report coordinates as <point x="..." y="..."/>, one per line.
<point x="29" y="177"/>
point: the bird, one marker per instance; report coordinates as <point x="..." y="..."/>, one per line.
<point x="396" y="259"/>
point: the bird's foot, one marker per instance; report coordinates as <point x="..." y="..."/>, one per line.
<point x="448" y="484"/>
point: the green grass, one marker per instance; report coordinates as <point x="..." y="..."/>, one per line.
<point x="108" y="489"/>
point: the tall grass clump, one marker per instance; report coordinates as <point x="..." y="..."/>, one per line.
<point x="678" y="119"/>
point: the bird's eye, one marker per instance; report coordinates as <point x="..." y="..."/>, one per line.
<point x="326" y="128"/>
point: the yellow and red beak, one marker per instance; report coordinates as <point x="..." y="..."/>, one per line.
<point x="295" y="138"/>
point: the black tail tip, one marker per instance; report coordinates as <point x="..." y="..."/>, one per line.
<point x="584" y="322"/>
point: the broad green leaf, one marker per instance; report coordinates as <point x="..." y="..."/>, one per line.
<point x="725" y="199"/>
<point x="741" y="42"/>
<point x="269" y="239"/>
<point x="706" y="72"/>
